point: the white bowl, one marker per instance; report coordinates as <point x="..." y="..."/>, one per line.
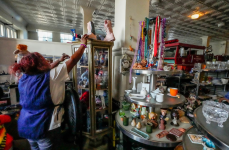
<point x="224" y="81"/>
<point x="128" y="91"/>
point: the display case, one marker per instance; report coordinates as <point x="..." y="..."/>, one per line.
<point x="92" y="79"/>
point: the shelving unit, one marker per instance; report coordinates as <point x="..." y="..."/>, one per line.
<point x="167" y="103"/>
<point x="96" y="122"/>
<point x="198" y="84"/>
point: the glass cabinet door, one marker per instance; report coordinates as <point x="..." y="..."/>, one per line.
<point x="101" y="86"/>
<point x="82" y="84"/>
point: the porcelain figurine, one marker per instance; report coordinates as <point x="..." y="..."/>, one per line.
<point x="109" y="31"/>
<point x="144" y="121"/>
<point x="139" y="126"/>
<point x="175" y="117"/>
<point x="91" y="30"/>
<point x="133" y="107"/>
<point x="167" y="68"/>
<point x="133" y="122"/>
<point x="143" y="91"/>
<point x="143" y="113"/>
<point x="143" y="62"/>
<point x="163" y="115"/>
<point x="153" y="119"/>
<point x="162" y="125"/>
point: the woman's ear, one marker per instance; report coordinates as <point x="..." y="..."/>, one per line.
<point x="16" y="52"/>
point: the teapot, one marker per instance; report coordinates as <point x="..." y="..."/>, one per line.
<point x="143" y="91"/>
<point x="167" y="68"/>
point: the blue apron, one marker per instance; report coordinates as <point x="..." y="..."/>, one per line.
<point x="37" y="106"/>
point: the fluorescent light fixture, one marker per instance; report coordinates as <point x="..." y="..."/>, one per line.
<point x="195" y="16"/>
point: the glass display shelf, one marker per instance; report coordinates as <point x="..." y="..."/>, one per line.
<point x="153" y="140"/>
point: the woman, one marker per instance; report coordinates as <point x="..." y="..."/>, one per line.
<point x="42" y="91"/>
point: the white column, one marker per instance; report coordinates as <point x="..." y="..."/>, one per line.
<point x="124" y="10"/>
<point x="87" y="16"/>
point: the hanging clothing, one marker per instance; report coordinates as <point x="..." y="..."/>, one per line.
<point x="40" y="97"/>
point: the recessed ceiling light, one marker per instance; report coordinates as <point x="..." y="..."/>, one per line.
<point x="195" y="16"/>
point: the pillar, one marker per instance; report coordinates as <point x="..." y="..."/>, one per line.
<point x="126" y="12"/>
<point x="87" y="16"/>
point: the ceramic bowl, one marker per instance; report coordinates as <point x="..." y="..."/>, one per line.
<point x="224" y="81"/>
<point x="128" y="91"/>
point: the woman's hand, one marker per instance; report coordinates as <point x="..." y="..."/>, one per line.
<point x="84" y="39"/>
<point x="63" y="57"/>
<point x="223" y="99"/>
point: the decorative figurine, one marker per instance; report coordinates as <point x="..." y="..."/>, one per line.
<point x="109" y="31"/>
<point x="143" y="62"/>
<point x="175" y="117"/>
<point x="133" y="122"/>
<point x="139" y="125"/>
<point x="143" y="91"/>
<point x="162" y="125"/>
<point x="144" y="121"/>
<point x="153" y="119"/>
<point x="91" y="30"/>
<point x="131" y="49"/>
<point x="143" y="113"/>
<point x="133" y="107"/>
<point x="137" y="113"/>
<point x="163" y="115"/>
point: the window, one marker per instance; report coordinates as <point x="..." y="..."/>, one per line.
<point x="8" y="32"/>
<point x="44" y="36"/>
<point x="64" y="37"/>
<point x="2" y="30"/>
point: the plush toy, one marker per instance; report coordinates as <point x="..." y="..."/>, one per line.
<point x="6" y="141"/>
<point x="21" y="51"/>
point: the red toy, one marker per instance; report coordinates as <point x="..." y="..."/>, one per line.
<point x="6" y="140"/>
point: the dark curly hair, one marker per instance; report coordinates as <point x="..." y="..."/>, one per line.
<point x="33" y="63"/>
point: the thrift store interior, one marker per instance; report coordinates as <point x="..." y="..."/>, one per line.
<point x="114" y="74"/>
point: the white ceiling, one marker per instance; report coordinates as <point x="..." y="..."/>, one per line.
<point x="65" y="13"/>
<point x="188" y="30"/>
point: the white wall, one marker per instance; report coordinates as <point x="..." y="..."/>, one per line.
<point x="219" y="48"/>
<point x="8" y="45"/>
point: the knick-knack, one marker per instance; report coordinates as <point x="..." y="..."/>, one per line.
<point x="133" y="123"/>
<point x="139" y="125"/>
<point x="162" y="124"/>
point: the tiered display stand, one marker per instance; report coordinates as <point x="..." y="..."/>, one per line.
<point x="168" y="102"/>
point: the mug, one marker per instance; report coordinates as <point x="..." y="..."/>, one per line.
<point x="160" y="98"/>
<point x="173" y="91"/>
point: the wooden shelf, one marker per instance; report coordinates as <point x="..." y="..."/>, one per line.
<point x="83" y="66"/>
<point x="101" y="89"/>
<point x="98" y="110"/>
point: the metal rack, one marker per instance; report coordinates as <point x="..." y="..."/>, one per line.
<point x="198" y="84"/>
<point x="92" y="113"/>
<point x="168" y="102"/>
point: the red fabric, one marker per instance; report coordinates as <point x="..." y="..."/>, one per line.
<point x="85" y="98"/>
<point x="9" y="142"/>
<point x="4" y="119"/>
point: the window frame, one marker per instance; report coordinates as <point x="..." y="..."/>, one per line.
<point x="65" y="40"/>
<point x="45" y="38"/>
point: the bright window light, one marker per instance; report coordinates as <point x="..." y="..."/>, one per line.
<point x="64" y="37"/>
<point x="44" y="36"/>
<point x="1" y="30"/>
<point x="8" y="32"/>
